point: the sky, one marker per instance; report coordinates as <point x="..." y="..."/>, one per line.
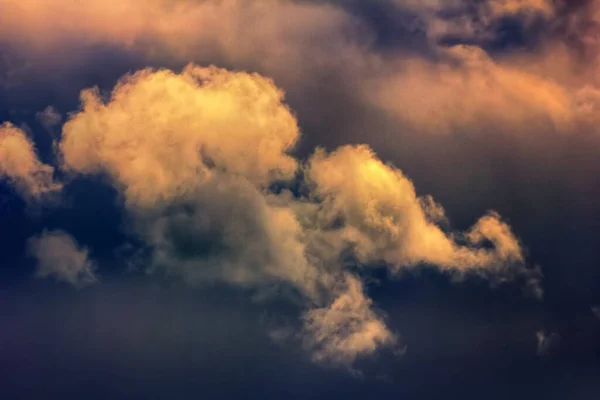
<point x="291" y="199"/>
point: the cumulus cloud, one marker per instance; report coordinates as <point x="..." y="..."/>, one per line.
<point x="183" y="124"/>
<point x="383" y="219"/>
<point x="19" y="164"/>
<point x="40" y="24"/>
<point x="195" y="155"/>
<point x="59" y="256"/>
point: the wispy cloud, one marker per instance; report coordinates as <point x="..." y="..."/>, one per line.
<point x="59" y="256"/>
<point x="19" y="164"/>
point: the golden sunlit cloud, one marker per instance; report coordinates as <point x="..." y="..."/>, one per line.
<point x="195" y="153"/>
<point x="473" y="92"/>
<point x="385" y="220"/>
<point x="160" y="132"/>
<point x="19" y="164"/>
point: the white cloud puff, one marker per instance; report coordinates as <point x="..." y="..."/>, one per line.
<point x="284" y="34"/>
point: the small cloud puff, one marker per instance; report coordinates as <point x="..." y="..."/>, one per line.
<point x="19" y="164"/>
<point x="49" y="118"/>
<point x="546" y="342"/>
<point x="59" y="256"/>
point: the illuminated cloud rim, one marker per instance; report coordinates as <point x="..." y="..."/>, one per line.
<point x="196" y="156"/>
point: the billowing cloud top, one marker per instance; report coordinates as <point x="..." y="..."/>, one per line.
<point x="203" y="157"/>
<point x="196" y="155"/>
<point x="161" y="131"/>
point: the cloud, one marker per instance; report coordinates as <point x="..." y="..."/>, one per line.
<point x="37" y="24"/>
<point x="19" y="164"/>
<point x="229" y="231"/>
<point x="193" y="154"/>
<point x="547" y="342"/>
<point x="306" y="47"/>
<point x="481" y="22"/>
<point x="283" y="33"/>
<point x="196" y="154"/>
<point x="49" y="118"/>
<point x="41" y="25"/>
<point x="59" y="256"/>
<point x="383" y="219"/>
<point x="472" y="123"/>
<point x="472" y="92"/>
<point x="348" y="327"/>
<point x="299" y="41"/>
